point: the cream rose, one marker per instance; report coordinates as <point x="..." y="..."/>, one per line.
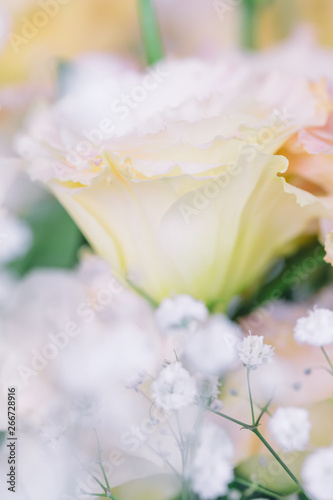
<point x="170" y="172"/>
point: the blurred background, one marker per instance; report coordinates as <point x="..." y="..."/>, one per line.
<point x="34" y="34"/>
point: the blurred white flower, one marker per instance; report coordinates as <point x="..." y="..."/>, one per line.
<point x="208" y="390"/>
<point x="211" y="471"/>
<point x="290" y="428"/>
<point x="315" y="329"/>
<point x="317" y="474"/>
<point x="253" y="352"/>
<point x="15" y="238"/>
<point x="213" y="347"/>
<point x="179" y="314"/>
<point x="174" y="387"/>
<point x="135" y="380"/>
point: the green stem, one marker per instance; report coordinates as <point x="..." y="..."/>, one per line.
<point x="150" y="32"/>
<point x="234" y="420"/>
<point x="101" y="484"/>
<point x="283" y="465"/>
<point x="250" y="28"/>
<point x="255" y="431"/>
<point x="250" y="396"/>
<point x="257" y="487"/>
<point x="327" y="359"/>
<point x="184" y="492"/>
<point x="263" y="410"/>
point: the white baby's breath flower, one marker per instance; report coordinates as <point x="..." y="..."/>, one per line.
<point x="208" y="390"/>
<point x="317" y="474"/>
<point x="136" y="379"/>
<point x="181" y="313"/>
<point x="253" y="352"/>
<point x="315" y="329"/>
<point x="213" y="347"/>
<point x="174" y="387"/>
<point x="290" y="428"/>
<point x="211" y="471"/>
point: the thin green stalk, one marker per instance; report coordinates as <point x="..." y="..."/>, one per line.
<point x="100" y="483"/>
<point x="107" y="489"/>
<point x="250" y="396"/>
<point x="244" y="482"/>
<point x="150" y="32"/>
<point x="102" y="495"/>
<point x="184" y="490"/>
<point x="327" y="359"/>
<point x="255" y="431"/>
<point x="276" y="456"/>
<point x="263" y="410"/>
<point x="234" y="420"/>
<point x="100" y="463"/>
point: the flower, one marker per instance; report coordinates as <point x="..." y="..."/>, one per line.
<point x="309" y="150"/>
<point x="181" y="313"/>
<point x="136" y="380"/>
<point x="290" y="428"/>
<point x="208" y="390"/>
<point x="212" y="348"/>
<point x="317" y="474"/>
<point x="315" y="329"/>
<point x="173" y="388"/>
<point x="211" y="471"/>
<point x="175" y="185"/>
<point x="253" y="352"/>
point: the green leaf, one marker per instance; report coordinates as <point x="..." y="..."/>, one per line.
<point x="296" y="278"/>
<point x="56" y="239"/>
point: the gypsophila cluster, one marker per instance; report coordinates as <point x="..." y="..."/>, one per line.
<point x="174" y="387"/>
<point x="136" y="380"/>
<point x="291" y="428"/>
<point x="212" y="348"/>
<point x="179" y="314"/>
<point x="317" y="474"/>
<point x="208" y="391"/>
<point x="316" y="328"/>
<point x="253" y="352"/>
<point x="211" y="470"/>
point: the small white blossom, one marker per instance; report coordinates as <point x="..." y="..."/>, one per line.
<point x="317" y="474"/>
<point x="291" y="427"/>
<point x="212" y="348"/>
<point x="211" y="471"/>
<point x="253" y="352"/>
<point x="181" y="313"/>
<point x="137" y="379"/>
<point x="315" y="329"/>
<point x="174" y="388"/>
<point x="208" y="390"/>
